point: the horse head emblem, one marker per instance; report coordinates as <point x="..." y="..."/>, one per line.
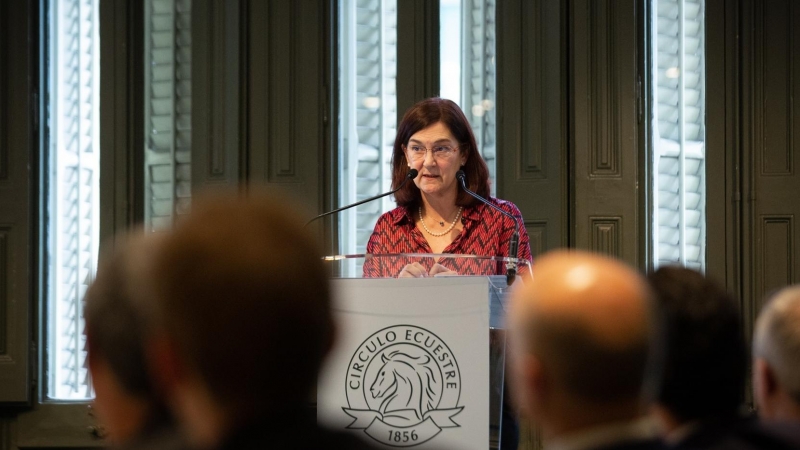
<point x="406" y="382"/>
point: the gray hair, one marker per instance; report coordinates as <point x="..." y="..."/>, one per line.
<point x="777" y="338"/>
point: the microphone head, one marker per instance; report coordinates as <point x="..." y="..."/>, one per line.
<point x="412" y="173"/>
<point x="510" y="275"/>
<point x="461" y="176"/>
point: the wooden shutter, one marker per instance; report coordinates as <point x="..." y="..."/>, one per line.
<point x="607" y="183"/>
<point x="772" y="180"/>
<point x="479" y="76"/>
<point x="531" y="122"/>
<point x="16" y="148"/>
<point x="168" y="104"/>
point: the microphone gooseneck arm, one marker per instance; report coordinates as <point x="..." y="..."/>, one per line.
<point x="513" y="245"/>
<point x="410" y="176"/>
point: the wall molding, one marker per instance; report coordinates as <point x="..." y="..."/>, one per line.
<point x="216" y="92"/>
<point x="4" y="150"/>
<point x="216" y="46"/>
<point x="283" y="65"/>
<point x="776" y="149"/>
<point x="531" y="153"/>
<point x="606" y="235"/>
<point x="537" y="235"/>
<point x="4" y="288"/>
<point x="604" y="143"/>
<point x="777" y="252"/>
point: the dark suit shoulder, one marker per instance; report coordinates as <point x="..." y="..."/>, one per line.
<point x="743" y="435"/>
<point x="639" y="444"/>
<point x="336" y="440"/>
<point x="788" y="431"/>
<point x="294" y="437"/>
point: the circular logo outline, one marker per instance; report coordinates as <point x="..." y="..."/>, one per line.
<point x="376" y="422"/>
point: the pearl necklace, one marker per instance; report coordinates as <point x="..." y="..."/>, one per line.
<point x="452" y="224"/>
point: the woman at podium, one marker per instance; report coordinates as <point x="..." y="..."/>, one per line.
<point x="434" y="214"/>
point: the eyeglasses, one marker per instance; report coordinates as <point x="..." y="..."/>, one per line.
<point x="439" y="152"/>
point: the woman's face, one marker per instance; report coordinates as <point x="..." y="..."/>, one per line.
<point x="437" y="173"/>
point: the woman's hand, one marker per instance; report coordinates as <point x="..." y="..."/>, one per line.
<point x="415" y="270"/>
<point x="439" y="270"/>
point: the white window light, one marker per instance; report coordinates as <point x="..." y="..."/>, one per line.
<point x="368" y="115"/>
<point x="678" y="79"/>
<point x="468" y="74"/>
<point x="73" y="190"/>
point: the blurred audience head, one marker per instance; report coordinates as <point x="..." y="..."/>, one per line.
<point x="704" y="354"/>
<point x="242" y="313"/>
<point x="125" y="399"/>
<point x="580" y="334"/>
<point x="776" y="354"/>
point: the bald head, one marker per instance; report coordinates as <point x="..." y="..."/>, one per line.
<point x="776" y="347"/>
<point x="586" y="321"/>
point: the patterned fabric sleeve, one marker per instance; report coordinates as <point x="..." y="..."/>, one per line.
<point x="376" y="244"/>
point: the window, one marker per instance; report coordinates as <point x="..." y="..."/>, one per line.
<point x="368" y="114"/>
<point x="678" y="133"/>
<point x="450" y="52"/>
<point x="368" y="102"/>
<point x="168" y="104"/>
<point x="72" y="203"/>
<point x="468" y="68"/>
<point x="73" y="157"/>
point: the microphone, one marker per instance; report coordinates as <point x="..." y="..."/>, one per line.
<point x="513" y="245"/>
<point x="410" y="176"/>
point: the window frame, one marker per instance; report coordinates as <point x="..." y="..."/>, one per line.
<point x="721" y="143"/>
<point x="51" y="241"/>
<point x="45" y="423"/>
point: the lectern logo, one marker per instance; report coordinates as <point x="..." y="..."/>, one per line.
<point x="403" y="386"/>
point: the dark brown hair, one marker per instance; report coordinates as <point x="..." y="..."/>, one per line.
<point x="422" y="115"/>
<point x="244" y="295"/>
<point x="115" y="324"/>
<point x="705" y="357"/>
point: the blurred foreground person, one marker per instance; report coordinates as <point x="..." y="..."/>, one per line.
<point x="700" y="400"/>
<point x="776" y="353"/>
<point x="580" y="332"/>
<point x="128" y="406"/>
<point x="243" y="321"/>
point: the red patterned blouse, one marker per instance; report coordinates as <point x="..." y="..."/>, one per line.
<point x="486" y="232"/>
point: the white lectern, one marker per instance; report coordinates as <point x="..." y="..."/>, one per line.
<point x="419" y="362"/>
